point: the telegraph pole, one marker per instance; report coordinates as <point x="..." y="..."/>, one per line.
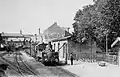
<point x="106" y="45"/>
<point x="66" y="53"/>
<point x="30" y="47"/>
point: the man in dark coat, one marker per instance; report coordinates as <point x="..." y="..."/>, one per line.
<point x="71" y="58"/>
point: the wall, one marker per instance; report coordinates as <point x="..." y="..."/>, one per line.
<point x="73" y="48"/>
<point x="62" y="50"/>
<point x="82" y="51"/>
<point x="85" y="51"/>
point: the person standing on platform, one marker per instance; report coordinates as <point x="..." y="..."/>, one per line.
<point x="71" y="58"/>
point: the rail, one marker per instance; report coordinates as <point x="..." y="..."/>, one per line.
<point x="18" y="67"/>
<point x="10" y="65"/>
<point x="27" y="66"/>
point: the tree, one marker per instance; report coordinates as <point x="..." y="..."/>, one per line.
<point x="97" y="21"/>
<point x="82" y="26"/>
<point x="110" y="17"/>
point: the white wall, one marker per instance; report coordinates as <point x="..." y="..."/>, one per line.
<point x="61" y="50"/>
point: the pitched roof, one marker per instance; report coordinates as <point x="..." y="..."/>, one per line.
<point x="55" y="31"/>
<point x="53" y="28"/>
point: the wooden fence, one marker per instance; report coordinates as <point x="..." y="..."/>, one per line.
<point x="113" y="59"/>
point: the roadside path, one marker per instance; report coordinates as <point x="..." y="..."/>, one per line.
<point x="84" y="69"/>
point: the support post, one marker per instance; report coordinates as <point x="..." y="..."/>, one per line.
<point x="66" y="53"/>
<point x="106" y="46"/>
<point x="119" y="58"/>
<point x="30" y="47"/>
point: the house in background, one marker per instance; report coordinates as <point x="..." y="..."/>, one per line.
<point x="54" y="32"/>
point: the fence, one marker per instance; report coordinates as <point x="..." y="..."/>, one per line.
<point x="113" y="59"/>
<point x="89" y="57"/>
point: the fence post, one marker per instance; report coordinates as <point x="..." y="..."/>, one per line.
<point x="66" y="53"/>
<point x="119" y="57"/>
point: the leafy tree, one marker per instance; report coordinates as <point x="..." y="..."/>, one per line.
<point x="97" y="21"/>
<point x="110" y="17"/>
<point x="82" y="26"/>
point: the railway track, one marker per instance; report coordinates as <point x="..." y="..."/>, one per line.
<point x="11" y="67"/>
<point x="24" y="65"/>
<point x="18" y="67"/>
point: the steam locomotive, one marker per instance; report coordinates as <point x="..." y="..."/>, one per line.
<point x="46" y="54"/>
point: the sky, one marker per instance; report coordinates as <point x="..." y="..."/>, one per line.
<point x="30" y="15"/>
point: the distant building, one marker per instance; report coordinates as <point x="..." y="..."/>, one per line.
<point x="38" y="38"/>
<point x="15" y="37"/>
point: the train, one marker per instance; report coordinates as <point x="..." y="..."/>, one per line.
<point x="47" y="55"/>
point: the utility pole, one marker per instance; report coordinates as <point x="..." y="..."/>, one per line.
<point x="22" y="36"/>
<point x="106" y="44"/>
<point x="91" y="49"/>
<point x="30" y="47"/>
<point x="66" y="52"/>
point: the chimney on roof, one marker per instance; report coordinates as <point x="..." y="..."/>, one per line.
<point x="55" y="23"/>
<point x="39" y="31"/>
<point x="36" y="37"/>
<point x="2" y="32"/>
<point x="68" y="29"/>
<point x="20" y="31"/>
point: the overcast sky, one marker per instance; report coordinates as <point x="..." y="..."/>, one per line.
<point x="29" y="15"/>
